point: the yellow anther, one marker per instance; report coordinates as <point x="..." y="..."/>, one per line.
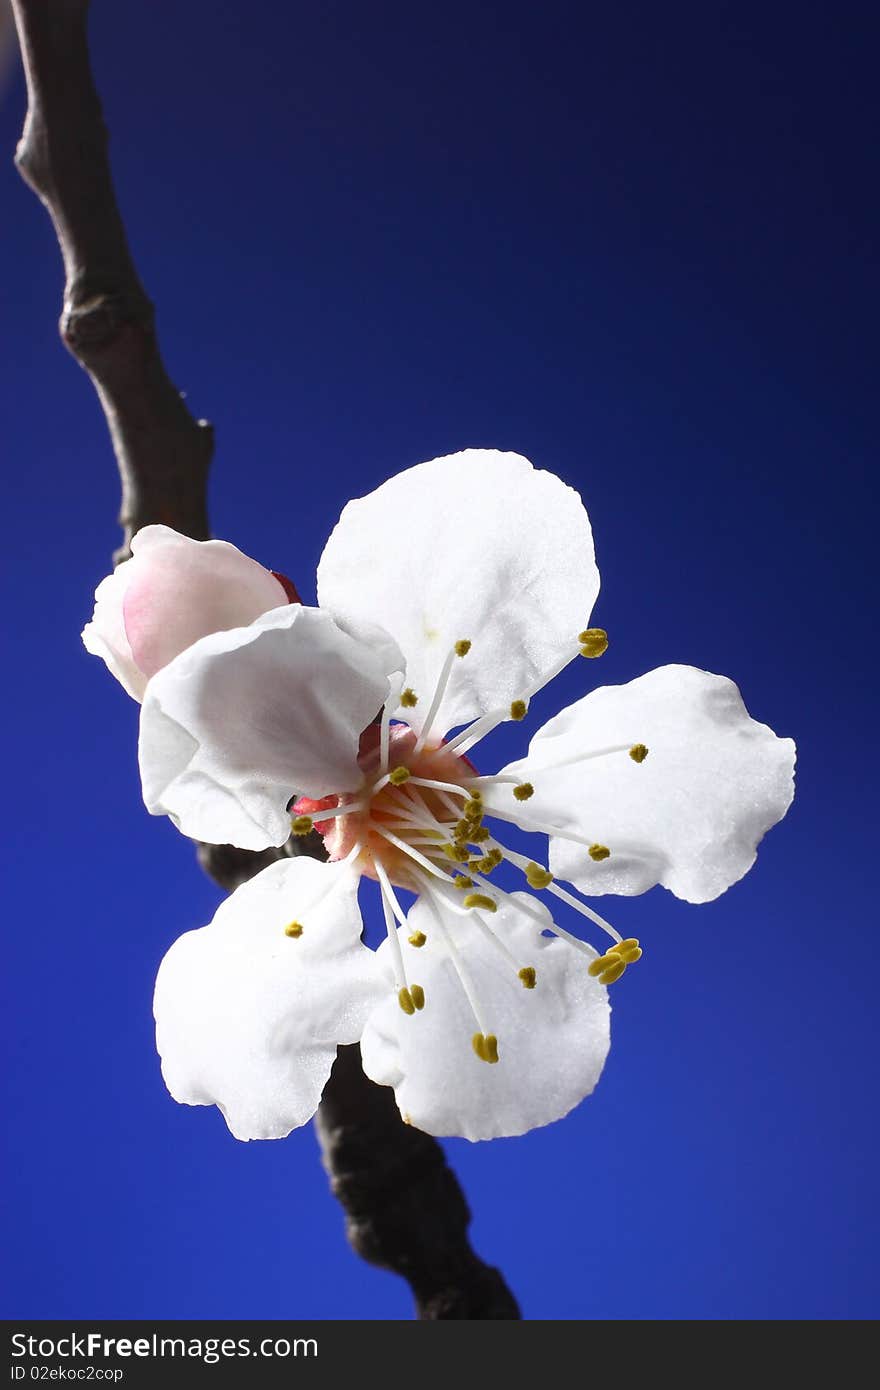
<point x="409" y="698"/>
<point x="599" y="852"/>
<point x="529" y="976"/>
<point x="518" y="709"/>
<point x="486" y="1047"/>
<point x="594" y="641"/>
<point x="473" y="808"/>
<point x="629" y="951"/>
<point x="611" y="966"/>
<point x="293" y="929"/>
<point x="478" y="834"/>
<point x="638" y="752"/>
<point x="613" y="972"/>
<point x="462" y="647"/>
<point x="418" y="938"/>
<point x="417" y="994"/>
<point x="398" y="776"/>
<point x="537" y="876"/>
<point x="301" y="825"/>
<point x="487" y="862"/>
<point x="524" y="791"/>
<point x="477" y="795"/>
<point x="456" y="852"/>
<point x="464" y="882"/>
<point x="481" y="900"/>
<point x="405" y="1000"/>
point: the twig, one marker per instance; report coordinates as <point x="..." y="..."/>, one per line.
<point x="405" y="1208"/>
<point x="107" y="320"/>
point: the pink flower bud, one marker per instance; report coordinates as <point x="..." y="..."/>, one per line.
<point x="171" y="592"/>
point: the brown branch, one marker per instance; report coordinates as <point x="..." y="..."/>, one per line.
<point x="107" y="320"/>
<point x="405" y="1208"/>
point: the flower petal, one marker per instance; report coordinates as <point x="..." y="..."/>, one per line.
<point x="105" y="635"/>
<point x="248" y="1018"/>
<point x="552" y="1040"/>
<point x="690" y="816"/>
<point x="479" y="546"/>
<point x="171" y="592"/>
<point x="243" y="720"/>
<point x="183" y="589"/>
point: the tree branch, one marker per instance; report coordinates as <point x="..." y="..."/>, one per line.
<point x="405" y="1208"/>
<point x="107" y="320"/>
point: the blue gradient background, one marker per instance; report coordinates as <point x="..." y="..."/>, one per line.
<point x="633" y="243"/>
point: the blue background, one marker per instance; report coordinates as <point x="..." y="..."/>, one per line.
<point x="632" y="242"/>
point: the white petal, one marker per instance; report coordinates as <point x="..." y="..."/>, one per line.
<point x="552" y="1040"/>
<point x="690" y="816"/>
<point x="243" y="720"/>
<point x="171" y="592"/>
<point x="105" y="635"/>
<point x="477" y="546"/>
<point x="248" y="1018"/>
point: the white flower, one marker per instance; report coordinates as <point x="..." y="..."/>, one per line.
<point x="485" y="1015"/>
<point x="172" y="591"/>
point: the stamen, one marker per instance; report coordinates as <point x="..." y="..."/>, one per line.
<point x="293" y="929"/>
<point x="611" y="966"/>
<point x="584" y="758"/>
<point x="545" y="925"/>
<point x="394" y="698"/>
<point x="388" y="891"/>
<point x="409" y="699"/>
<point x="437" y="786"/>
<point x="486" y="1046"/>
<point x="301" y="825"/>
<point x="399" y="775"/>
<point x="480" y="728"/>
<point x="481" y="900"/>
<point x="412" y="853"/>
<point x="529" y="976"/>
<point x="403" y="994"/>
<point x="456" y="852"/>
<point x="417" y="939"/>
<point x="347" y="809"/>
<point x="518" y="709"/>
<point x="594" y="641"/>
<point x="638" y="752"/>
<point x="458" y="964"/>
<point x="537" y="876"/>
<point x="584" y="910"/>
<point x="460" y="649"/>
<point x="599" y="852"/>
<point x="523" y="791"/>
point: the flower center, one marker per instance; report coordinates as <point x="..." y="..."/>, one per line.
<point x="416" y="823"/>
<point x="398" y="812"/>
